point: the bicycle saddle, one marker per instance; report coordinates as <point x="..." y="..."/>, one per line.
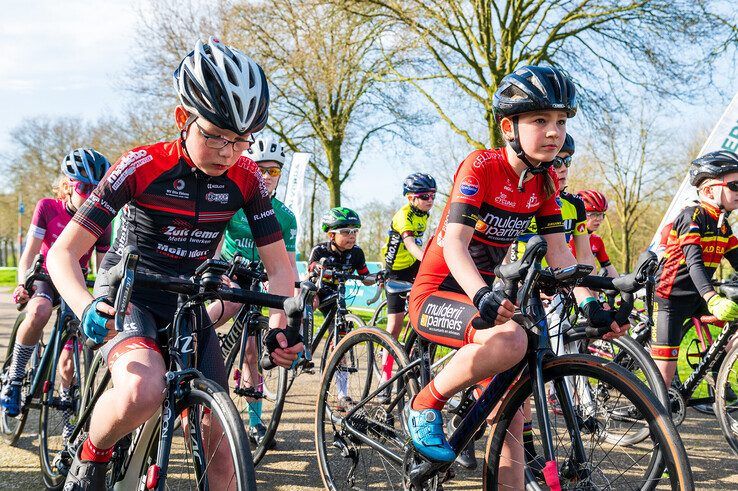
<point x="396" y="286"/>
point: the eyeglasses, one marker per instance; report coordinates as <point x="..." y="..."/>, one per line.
<point x="346" y="231"/>
<point x="426" y="196"/>
<point x="559" y="161"/>
<point x="83" y="188"/>
<point x="732" y="185"/>
<point x="272" y="171"/>
<point x="218" y="142"/>
<point x="596" y="214"/>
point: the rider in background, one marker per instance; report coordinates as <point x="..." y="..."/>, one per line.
<point x="403" y="250"/>
<point x="700" y="237"/>
<point x="82" y="168"/>
<point x="268" y="153"/>
<point x="495" y="194"/>
<point x="596" y="205"/>
<point x="177" y="197"/>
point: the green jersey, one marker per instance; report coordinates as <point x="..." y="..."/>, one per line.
<point x="238" y="236"/>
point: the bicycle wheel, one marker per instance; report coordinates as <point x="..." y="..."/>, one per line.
<point x="603" y="465"/>
<point x="726" y="403"/>
<point x="361" y="442"/>
<point x="11" y="427"/>
<point x="626" y="352"/>
<point x="270" y="390"/>
<point x="353" y="321"/>
<point x="379" y="318"/>
<point x="59" y="408"/>
<point x="209" y="449"/>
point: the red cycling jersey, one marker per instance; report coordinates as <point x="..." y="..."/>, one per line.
<point x="174" y="214"/>
<point x="485" y="196"/>
<point x="49" y="219"/>
<point x="598" y="249"/>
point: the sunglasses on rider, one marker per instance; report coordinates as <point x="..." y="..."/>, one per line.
<point x="559" y="161"/>
<point x="596" y="214"/>
<point x="346" y="231"/>
<point x="426" y="196"/>
<point x="272" y="171"/>
<point x="83" y="188"/>
<point x="732" y="185"/>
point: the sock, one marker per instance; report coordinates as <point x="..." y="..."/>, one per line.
<point x="68" y="413"/>
<point x="530" y="450"/>
<point x="254" y="413"/>
<point x="91" y="453"/>
<point x="387" y="368"/>
<point x="429" y="398"/>
<point x="21" y="354"/>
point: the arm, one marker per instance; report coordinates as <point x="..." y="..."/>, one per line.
<point x="583" y="251"/>
<point x="33" y="246"/>
<point x="412" y="247"/>
<point x="697" y="271"/>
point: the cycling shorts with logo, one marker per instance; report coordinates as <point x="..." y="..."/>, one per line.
<point x="446" y="318"/>
<point x="396" y="301"/>
<point x="671" y="318"/>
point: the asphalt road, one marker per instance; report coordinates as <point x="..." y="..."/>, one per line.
<point x="293" y="465"/>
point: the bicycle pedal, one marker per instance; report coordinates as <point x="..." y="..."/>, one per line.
<point x="248" y="392"/>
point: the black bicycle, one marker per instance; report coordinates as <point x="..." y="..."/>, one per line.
<point x="368" y="445"/>
<point x="43" y="383"/>
<point x="197" y="411"/>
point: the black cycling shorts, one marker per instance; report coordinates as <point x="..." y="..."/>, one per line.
<point x="671" y="316"/>
<point x="396" y="301"/>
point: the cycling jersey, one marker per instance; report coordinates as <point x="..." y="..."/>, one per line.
<point x="598" y="249"/>
<point x="49" y="219"/>
<point x="484" y="196"/>
<point x="407" y="222"/>
<point x="693" y="252"/>
<point x="345" y="261"/>
<point x="238" y="236"/>
<point x="173" y="213"/>
<point x="574" y="217"/>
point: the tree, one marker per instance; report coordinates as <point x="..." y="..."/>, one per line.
<point x="463" y="48"/>
<point x="324" y="66"/>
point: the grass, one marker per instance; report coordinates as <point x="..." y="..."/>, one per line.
<point x="8" y="277"/>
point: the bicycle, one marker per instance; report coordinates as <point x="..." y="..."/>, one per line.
<point x="367" y="445"/>
<point x="149" y="458"/>
<point x="42" y="384"/>
<point x="249" y="326"/>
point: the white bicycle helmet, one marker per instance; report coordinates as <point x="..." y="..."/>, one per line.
<point x="267" y="148"/>
<point x="224" y="86"/>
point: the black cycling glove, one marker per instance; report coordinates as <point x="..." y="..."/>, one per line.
<point x="488" y="302"/>
<point x="595" y="314"/>
<point x="270" y="340"/>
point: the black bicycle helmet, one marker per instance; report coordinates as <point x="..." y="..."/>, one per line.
<point x="224" y="86"/>
<point x="569" y="146"/>
<point x="418" y="183"/>
<point x="85" y="165"/>
<point x="712" y="165"/>
<point x="534" y="88"/>
<point x="339" y="217"/>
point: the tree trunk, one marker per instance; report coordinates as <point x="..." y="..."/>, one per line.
<point x="334" y="168"/>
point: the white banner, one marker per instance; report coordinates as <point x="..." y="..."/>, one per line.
<point x="723" y="137"/>
<point x="294" y="197"/>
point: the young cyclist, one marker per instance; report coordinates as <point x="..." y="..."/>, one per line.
<point x="268" y="154"/>
<point x="339" y="253"/>
<point x="403" y="250"/>
<point x="700" y="237"/>
<point x="177" y="197"/>
<point x="596" y="205"/>
<point x="494" y="196"/>
<point x="82" y="168"/>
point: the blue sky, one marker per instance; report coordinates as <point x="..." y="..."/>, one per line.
<point x="64" y="58"/>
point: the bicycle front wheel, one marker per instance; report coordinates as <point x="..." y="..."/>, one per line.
<point x="726" y="402"/>
<point x="583" y="457"/>
<point x="210" y="448"/>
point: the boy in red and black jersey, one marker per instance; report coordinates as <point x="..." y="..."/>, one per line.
<point x="700" y="237"/>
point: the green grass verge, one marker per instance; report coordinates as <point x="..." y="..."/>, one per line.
<point x="8" y="277"/>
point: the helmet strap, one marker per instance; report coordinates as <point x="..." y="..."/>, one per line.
<point x="418" y="211"/>
<point x="520" y="153"/>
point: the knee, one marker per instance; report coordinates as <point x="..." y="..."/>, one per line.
<point x="38" y="314"/>
<point x="509" y="343"/>
<point x="143" y="394"/>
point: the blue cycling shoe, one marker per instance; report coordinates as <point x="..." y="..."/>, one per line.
<point x="10" y="398"/>
<point x="426" y="430"/>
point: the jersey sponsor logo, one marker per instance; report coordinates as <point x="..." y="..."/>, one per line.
<point x="581" y="227"/>
<point x="181" y="234"/>
<point x="128" y="166"/>
<point x="443" y="316"/>
<point x="99" y="202"/>
<point x="533" y="201"/>
<point x="502" y="228"/>
<point x="180" y="252"/>
<point x="481" y="159"/>
<point x="179" y="184"/>
<point x="216" y="186"/>
<point x="508" y="186"/>
<point x="216" y="197"/>
<point x="264" y="214"/>
<point x="469" y="186"/>
<point x="503" y="200"/>
<point x="246" y="243"/>
<point x="250" y="166"/>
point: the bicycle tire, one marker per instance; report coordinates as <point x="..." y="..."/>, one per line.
<point x="329" y="342"/>
<point x="668" y="450"/>
<point x="274" y="393"/>
<point x="50" y="417"/>
<point x="379" y="317"/>
<point x="11" y="427"/>
<point x="725" y="410"/>
<point x="377" y="421"/>
<point x="208" y="394"/>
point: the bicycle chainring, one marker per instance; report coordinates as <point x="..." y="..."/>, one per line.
<point x="678" y="406"/>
